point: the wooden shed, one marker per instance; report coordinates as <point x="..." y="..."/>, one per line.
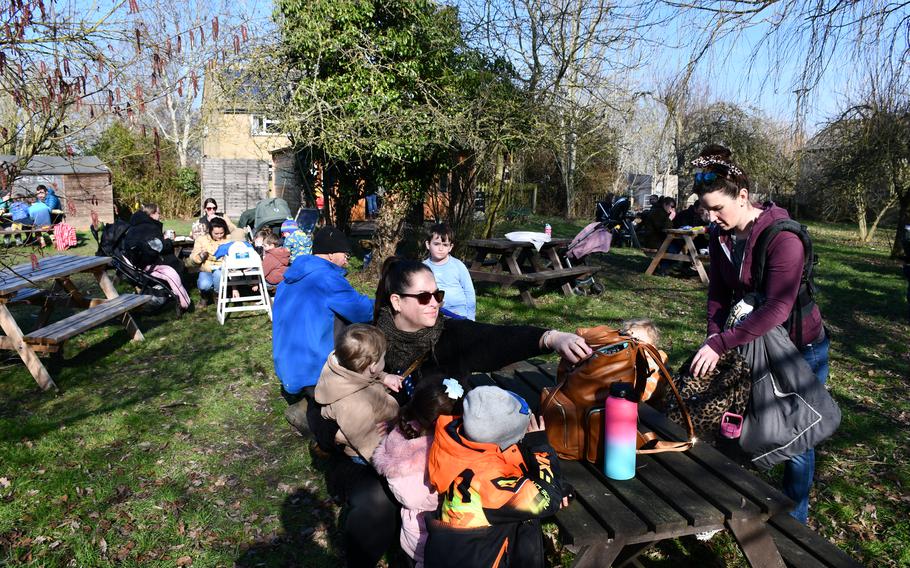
<point x="82" y="183"/>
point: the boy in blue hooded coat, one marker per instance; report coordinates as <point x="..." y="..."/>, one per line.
<point x="313" y="292"/>
<point x="48" y="196"/>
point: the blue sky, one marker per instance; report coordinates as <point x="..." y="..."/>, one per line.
<point x="731" y="69"/>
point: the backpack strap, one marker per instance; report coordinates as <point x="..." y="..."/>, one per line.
<point x="805" y="299"/>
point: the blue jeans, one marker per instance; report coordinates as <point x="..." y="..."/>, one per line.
<point x="208" y="281"/>
<point x="372" y="205"/>
<point x="799" y="470"/>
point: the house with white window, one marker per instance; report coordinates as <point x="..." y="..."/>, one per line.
<point x="237" y="143"/>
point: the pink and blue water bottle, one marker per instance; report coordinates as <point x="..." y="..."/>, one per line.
<point x="620" y="432"/>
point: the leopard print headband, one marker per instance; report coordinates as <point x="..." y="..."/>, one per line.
<point x="704" y="162"/>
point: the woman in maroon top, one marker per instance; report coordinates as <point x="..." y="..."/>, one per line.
<point x="723" y="188"/>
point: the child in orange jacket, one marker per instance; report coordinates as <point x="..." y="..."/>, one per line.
<point x="493" y="478"/>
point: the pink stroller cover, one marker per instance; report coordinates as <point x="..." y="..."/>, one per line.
<point x="593" y="238"/>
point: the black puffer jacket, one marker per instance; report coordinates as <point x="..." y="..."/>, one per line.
<point x="144" y="242"/>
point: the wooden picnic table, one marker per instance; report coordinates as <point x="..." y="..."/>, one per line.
<point x="522" y="265"/>
<point x="689" y="252"/>
<point x="18" y="284"/>
<point x="673" y="494"/>
<point x="183" y="246"/>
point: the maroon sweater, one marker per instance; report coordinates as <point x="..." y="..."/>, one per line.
<point x="783" y="272"/>
<point x="274" y="263"/>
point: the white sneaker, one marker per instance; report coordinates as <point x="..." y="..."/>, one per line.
<point x="707" y="535"/>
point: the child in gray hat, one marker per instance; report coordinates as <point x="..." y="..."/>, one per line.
<point x="496" y="471"/>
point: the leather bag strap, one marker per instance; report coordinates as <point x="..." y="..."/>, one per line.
<point x="649" y="438"/>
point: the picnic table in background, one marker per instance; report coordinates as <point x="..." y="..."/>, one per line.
<point x="688" y="254"/>
<point x="522" y="265"/>
<point x="10" y="235"/>
<point x="18" y="284"/>
<point x="183" y="246"/>
<point x="673" y="494"/>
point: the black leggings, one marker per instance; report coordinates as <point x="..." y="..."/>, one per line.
<point x="369" y="519"/>
<point x="370" y="514"/>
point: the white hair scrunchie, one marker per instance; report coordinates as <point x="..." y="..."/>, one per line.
<point x="454" y="390"/>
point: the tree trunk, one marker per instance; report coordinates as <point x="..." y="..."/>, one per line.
<point x="389" y="228"/>
<point x="497" y="198"/>
<point x="860" y="212"/>
<point x="878" y="218"/>
<point x="903" y="218"/>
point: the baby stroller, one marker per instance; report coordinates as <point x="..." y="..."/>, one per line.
<point x="593" y="238"/>
<point x="619" y="221"/>
<point x="110" y="243"/>
<point x="270" y="212"/>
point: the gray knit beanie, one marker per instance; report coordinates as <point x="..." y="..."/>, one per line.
<point x="495" y="416"/>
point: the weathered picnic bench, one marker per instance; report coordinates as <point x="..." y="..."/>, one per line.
<point x="18" y="285"/>
<point x="519" y="264"/>
<point x="688" y="254"/>
<point x="11" y="236"/>
<point x="673" y="494"/>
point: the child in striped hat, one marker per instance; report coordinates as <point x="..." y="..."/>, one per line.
<point x="297" y="241"/>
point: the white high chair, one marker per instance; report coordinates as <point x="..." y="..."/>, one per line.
<point x="242" y="267"/>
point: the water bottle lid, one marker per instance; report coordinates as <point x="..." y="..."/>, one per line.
<point x="621" y="390"/>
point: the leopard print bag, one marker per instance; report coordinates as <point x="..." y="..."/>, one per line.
<point x="707" y="398"/>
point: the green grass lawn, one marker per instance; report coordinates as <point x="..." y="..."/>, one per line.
<point x="175" y="451"/>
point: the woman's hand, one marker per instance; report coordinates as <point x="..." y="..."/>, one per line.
<point x="203" y="256"/>
<point x="704" y="361"/>
<point x="570" y="346"/>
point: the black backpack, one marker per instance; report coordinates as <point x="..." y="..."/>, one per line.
<point x="111" y="241"/>
<point x="805" y="299"/>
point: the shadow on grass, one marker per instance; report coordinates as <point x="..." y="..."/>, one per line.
<point x="305" y="536"/>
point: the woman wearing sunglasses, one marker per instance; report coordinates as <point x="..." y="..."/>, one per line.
<point x="210" y="211"/>
<point x="407" y="308"/>
<point x="723" y="188"/>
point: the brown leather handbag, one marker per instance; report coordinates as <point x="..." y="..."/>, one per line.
<point x="573" y="410"/>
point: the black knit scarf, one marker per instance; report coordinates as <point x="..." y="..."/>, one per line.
<point x="405" y="347"/>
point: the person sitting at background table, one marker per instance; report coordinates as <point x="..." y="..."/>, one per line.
<point x="654" y="227"/>
<point x="47" y="196"/>
<point x="210" y="211"/>
<point x="695" y="215"/>
<point x="148" y="250"/>
<point x="204" y="255"/>
<point x="39" y="214"/>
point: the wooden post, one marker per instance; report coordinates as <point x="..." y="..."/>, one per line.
<point x="104" y="281"/>
<point x="34" y="365"/>
<point x="756" y="542"/>
<point x="659" y="255"/>
<point x="693" y="254"/>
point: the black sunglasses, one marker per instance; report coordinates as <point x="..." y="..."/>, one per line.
<point x="423" y="298"/>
